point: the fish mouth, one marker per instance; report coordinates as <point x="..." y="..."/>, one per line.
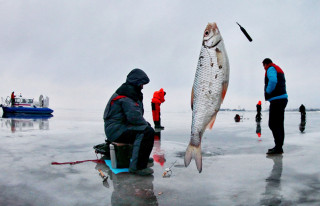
<point x="212" y="45"/>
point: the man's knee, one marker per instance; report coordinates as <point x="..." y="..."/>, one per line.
<point x="149" y="132"/>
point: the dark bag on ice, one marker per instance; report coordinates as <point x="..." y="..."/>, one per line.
<point x="123" y="153"/>
<point x="103" y="149"/>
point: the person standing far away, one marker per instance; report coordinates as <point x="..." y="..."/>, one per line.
<point x="12" y="99"/>
<point x="258" y="116"/>
<point x="158" y="98"/>
<point x="275" y="92"/>
<point x="302" y="111"/>
<point x="124" y="121"/>
<point x="259" y="107"/>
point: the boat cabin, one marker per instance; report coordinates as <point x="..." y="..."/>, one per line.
<point x="23" y="102"/>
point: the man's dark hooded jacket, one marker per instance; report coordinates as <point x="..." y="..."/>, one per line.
<point x="124" y="110"/>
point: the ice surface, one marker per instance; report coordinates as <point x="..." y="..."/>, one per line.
<point x="235" y="171"/>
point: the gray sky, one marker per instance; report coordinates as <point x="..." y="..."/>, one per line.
<point x="79" y="52"/>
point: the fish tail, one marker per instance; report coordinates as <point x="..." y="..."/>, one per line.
<point x="213" y="119"/>
<point x="193" y="152"/>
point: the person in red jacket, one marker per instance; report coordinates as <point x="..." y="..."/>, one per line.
<point x="158" y="98"/>
<point x="12" y="99"/>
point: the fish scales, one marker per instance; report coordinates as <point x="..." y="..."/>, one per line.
<point x="205" y="92"/>
<point x="209" y="88"/>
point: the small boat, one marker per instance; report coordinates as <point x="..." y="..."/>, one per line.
<point x="26" y="116"/>
<point x="24" y="105"/>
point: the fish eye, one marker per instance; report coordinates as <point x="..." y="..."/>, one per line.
<point x="206" y="33"/>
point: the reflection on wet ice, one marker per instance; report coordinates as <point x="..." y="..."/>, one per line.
<point x="157" y="152"/>
<point x="258" y="127"/>
<point x="129" y="189"/>
<point x="272" y="194"/>
<point x="302" y="126"/>
<point x="258" y="130"/>
<point x="24" y="122"/>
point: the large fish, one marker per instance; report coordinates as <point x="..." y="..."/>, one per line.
<point x="209" y="89"/>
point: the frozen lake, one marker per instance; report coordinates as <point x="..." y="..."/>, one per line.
<point x="235" y="170"/>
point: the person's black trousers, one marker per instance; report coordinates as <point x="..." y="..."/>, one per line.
<point x="142" y="146"/>
<point x="276" y="121"/>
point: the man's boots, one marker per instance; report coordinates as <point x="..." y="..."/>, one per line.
<point x="157" y="125"/>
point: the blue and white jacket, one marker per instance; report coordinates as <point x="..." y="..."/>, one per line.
<point x="275" y="83"/>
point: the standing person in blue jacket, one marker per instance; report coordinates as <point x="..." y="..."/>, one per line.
<point x="275" y="92"/>
<point x="124" y="121"/>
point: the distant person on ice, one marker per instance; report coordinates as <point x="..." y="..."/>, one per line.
<point x="124" y="122"/>
<point x="158" y="98"/>
<point x="12" y="99"/>
<point x="237" y="118"/>
<point x="275" y="92"/>
<point x="302" y="111"/>
<point x="259" y="107"/>
<point x="258" y="116"/>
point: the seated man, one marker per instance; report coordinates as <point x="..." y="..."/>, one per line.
<point x="237" y="118"/>
<point x="124" y="122"/>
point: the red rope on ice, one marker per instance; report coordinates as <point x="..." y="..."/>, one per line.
<point x="77" y="162"/>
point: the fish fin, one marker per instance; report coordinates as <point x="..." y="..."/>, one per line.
<point x="224" y="91"/>
<point x="192" y="94"/>
<point x="210" y="125"/>
<point x="193" y="152"/>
